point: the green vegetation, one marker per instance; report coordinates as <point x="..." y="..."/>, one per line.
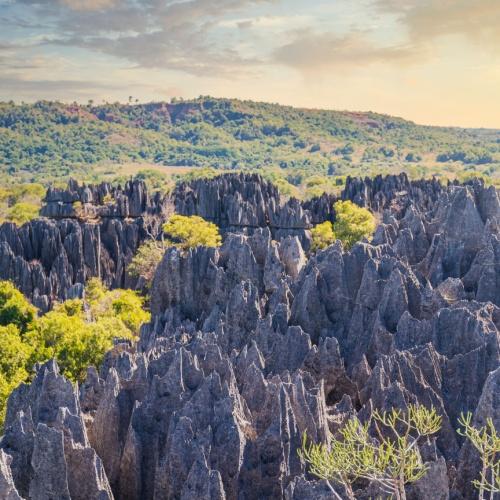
<point x="20" y="203"/>
<point x="486" y="440"/>
<point x="392" y="459"/>
<point x="146" y="260"/>
<point x="322" y="236"/>
<point x="76" y="332"/>
<point x="191" y="231"/>
<point x="352" y="224"/>
<point x="15" y="310"/>
<point x="50" y="141"/>
<point x="181" y="231"/>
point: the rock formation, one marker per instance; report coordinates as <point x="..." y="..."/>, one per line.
<point x="81" y="235"/>
<point x="252" y="344"/>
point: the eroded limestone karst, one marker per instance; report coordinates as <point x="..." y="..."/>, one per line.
<point x="254" y="343"/>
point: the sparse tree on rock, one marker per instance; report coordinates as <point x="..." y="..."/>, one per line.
<point x="392" y="459"/>
<point x="352" y="224"/>
<point x="486" y="440"/>
<point x="180" y="231"/>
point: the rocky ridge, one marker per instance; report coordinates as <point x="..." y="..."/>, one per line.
<point x="253" y="343"/>
<point x="93" y="231"/>
<point x="84" y="232"/>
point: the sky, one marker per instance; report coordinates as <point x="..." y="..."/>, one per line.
<point x="435" y="62"/>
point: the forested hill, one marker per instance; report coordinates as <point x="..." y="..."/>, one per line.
<point x="51" y="140"/>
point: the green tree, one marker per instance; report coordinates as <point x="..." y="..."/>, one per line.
<point x="78" y="333"/>
<point x="146" y="260"/>
<point x="191" y="231"/>
<point x="22" y="212"/>
<point x="124" y="305"/>
<point x="486" y="440"/>
<point x="322" y="236"/>
<point x="352" y="223"/>
<point x="14" y="356"/>
<point x="15" y="309"/>
<point x="392" y="459"/>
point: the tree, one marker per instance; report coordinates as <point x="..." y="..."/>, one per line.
<point x="146" y="260"/>
<point x="14" y="356"/>
<point x="15" y="309"/>
<point x="78" y="333"/>
<point x="180" y="231"/>
<point x="392" y="459"/>
<point x="22" y="212"/>
<point x="486" y="440"/>
<point x="322" y="236"/>
<point x="352" y="223"/>
<point x="191" y="231"/>
<point x="149" y="254"/>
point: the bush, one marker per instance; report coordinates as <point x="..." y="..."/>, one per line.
<point x="322" y="236"/>
<point x="181" y="231"/>
<point x="189" y="232"/>
<point x="486" y="440"/>
<point x="22" y="212"/>
<point x="14" y="356"/>
<point x="352" y="223"/>
<point x="15" y="309"/>
<point x="78" y="333"/>
<point x="146" y="260"/>
<point x="392" y="461"/>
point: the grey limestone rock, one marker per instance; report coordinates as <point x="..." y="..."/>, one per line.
<point x="258" y="341"/>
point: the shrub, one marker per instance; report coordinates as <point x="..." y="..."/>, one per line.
<point x="15" y="309"/>
<point x="352" y="223"/>
<point x="322" y="236"/>
<point x="14" y="356"/>
<point x="486" y="440"/>
<point x="22" y="212"/>
<point x="108" y="199"/>
<point x="191" y="231"/>
<point x="146" y="260"/>
<point x="76" y="332"/>
<point x="392" y="461"/>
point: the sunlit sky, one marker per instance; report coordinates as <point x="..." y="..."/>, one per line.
<point x="432" y="61"/>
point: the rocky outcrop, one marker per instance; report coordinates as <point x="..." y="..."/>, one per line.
<point x="52" y="257"/>
<point x="253" y="344"/>
<point x="47" y="441"/>
<point x="93" y="231"/>
<point x="100" y="201"/>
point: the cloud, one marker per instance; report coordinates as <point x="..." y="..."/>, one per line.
<point x="180" y="35"/>
<point x="309" y="51"/>
<point x="88" y="4"/>
<point x="425" y="20"/>
<point x="418" y="24"/>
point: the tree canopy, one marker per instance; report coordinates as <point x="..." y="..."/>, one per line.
<point x="322" y="236"/>
<point x="191" y="231"/>
<point x="181" y="231"/>
<point x="51" y="140"/>
<point x="76" y="332"/>
<point x="352" y="224"/>
<point x="15" y="309"/>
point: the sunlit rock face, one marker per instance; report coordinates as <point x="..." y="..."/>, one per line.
<point x="254" y="343"/>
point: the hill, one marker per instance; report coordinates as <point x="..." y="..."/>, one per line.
<point x="45" y="141"/>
